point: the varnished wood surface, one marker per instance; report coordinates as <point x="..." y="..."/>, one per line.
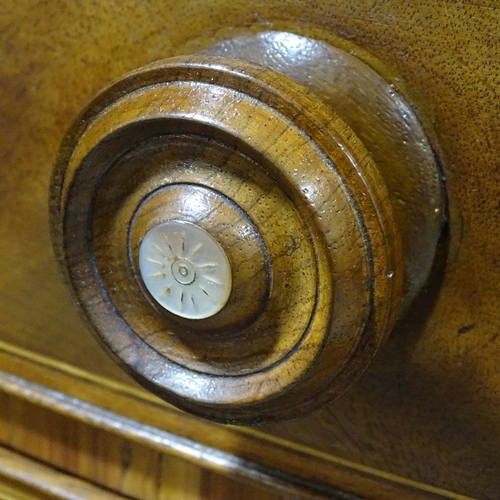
<point x="22" y="478"/>
<point x="169" y="478"/>
<point x="334" y="269"/>
<point x="428" y="408"/>
<point x="75" y="411"/>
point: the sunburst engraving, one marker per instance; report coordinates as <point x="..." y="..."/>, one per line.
<point x="185" y="269"/>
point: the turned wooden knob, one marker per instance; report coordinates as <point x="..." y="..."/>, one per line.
<point x="241" y="232"/>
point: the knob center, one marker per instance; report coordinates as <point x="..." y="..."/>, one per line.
<point x="183" y="272"/>
<point x="185" y="269"/>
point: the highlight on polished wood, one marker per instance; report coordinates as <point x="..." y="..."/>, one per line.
<point x="420" y="418"/>
<point x="314" y="184"/>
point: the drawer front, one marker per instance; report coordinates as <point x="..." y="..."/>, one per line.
<point x="427" y="408"/>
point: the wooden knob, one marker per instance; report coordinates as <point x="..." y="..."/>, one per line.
<point x="241" y="232"/>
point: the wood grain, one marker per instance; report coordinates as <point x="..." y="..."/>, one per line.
<point x="23" y="478"/>
<point x="427" y="409"/>
<point x="110" y="434"/>
<point x="211" y="141"/>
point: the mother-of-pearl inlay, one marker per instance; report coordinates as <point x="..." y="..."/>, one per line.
<point x="185" y="269"/>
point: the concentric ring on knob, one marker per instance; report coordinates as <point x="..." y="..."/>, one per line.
<point x="269" y="248"/>
<point x="205" y="206"/>
<point x="185" y="269"/>
<point x="241" y="143"/>
<point x="184" y="272"/>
